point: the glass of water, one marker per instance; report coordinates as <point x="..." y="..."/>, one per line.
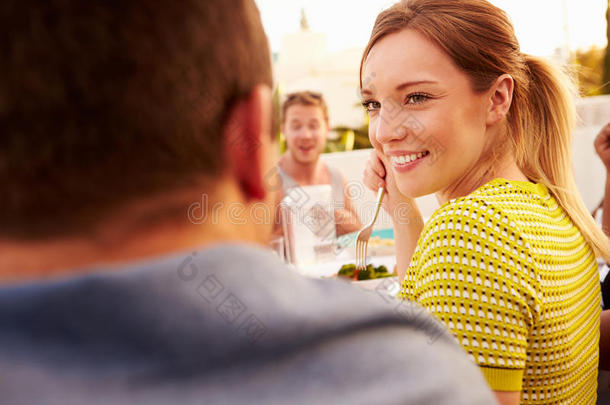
<point x="278" y="247"/>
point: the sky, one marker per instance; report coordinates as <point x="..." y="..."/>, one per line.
<point x="539" y="24"/>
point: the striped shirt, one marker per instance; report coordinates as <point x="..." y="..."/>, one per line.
<point x="513" y="279"/>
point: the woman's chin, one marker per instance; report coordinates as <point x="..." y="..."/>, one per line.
<point x="412" y="190"/>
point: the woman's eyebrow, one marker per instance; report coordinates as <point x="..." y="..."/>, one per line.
<point x="366" y="92"/>
<point x="402" y="86"/>
<point x="414" y="83"/>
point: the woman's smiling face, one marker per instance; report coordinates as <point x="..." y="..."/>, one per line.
<point x="423" y="114"/>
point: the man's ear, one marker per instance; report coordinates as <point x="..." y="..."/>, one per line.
<point x="500" y="99"/>
<point x="248" y="140"/>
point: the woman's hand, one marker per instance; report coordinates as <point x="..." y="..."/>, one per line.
<point x="602" y="146"/>
<point x="407" y="220"/>
<point x="375" y="176"/>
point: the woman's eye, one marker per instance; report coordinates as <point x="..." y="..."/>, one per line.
<point x="417" y="98"/>
<point x="370" y="105"/>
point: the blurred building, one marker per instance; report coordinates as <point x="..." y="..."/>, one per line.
<point x="304" y="63"/>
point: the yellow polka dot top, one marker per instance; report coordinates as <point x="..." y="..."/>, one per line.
<point x="513" y="279"/>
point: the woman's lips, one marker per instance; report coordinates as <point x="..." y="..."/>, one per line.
<point x="403" y="162"/>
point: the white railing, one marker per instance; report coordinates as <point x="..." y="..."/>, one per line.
<point x="593" y="111"/>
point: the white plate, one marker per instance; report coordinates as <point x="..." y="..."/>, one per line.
<point x="386" y="285"/>
<point x="331" y="268"/>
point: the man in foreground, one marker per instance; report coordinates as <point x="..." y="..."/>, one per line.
<point x="116" y="120"/>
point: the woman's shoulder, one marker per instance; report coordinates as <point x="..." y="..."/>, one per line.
<point x="498" y="195"/>
<point x="489" y="206"/>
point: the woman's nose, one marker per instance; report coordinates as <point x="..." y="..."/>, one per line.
<point x="388" y="126"/>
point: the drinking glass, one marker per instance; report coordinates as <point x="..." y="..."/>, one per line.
<point x="277" y="246"/>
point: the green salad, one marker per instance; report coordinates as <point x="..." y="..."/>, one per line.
<point x="369" y="273"/>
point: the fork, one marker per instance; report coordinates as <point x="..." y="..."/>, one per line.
<point x="362" y="240"/>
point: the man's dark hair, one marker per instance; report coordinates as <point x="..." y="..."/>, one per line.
<point x="105" y="102"/>
<point x="307" y="98"/>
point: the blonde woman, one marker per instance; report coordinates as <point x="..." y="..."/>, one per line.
<point x="508" y="260"/>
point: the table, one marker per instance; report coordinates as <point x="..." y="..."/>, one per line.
<point x="331" y="268"/>
<point x="387" y="285"/>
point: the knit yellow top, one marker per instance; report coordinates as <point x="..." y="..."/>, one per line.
<point x="513" y="279"/>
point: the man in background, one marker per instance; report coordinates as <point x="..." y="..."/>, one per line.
<point x="117" y="116"/>
<point x="305" y="124"/>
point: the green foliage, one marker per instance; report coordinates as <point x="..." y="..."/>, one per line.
<point x="277" y="106"/>
<point x="588" y="65"/>
<point x="357" y="138"/>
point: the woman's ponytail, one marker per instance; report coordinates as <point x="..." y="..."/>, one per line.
<point x="545" y="152"/>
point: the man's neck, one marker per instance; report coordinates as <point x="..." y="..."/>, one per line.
<point x="303" y="173"/>
<point x="122" y="240"/>
<point x="32" y="260"/>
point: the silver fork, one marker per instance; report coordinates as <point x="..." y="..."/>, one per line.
<point x="362" y="240"/>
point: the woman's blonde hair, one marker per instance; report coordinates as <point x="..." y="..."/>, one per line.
<point x="480" y="40"/>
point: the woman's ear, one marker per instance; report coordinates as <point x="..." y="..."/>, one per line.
<point x="248" y="143"/>
<point x="500" y="99"/>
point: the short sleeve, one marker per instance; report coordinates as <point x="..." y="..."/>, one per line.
<point x="474" y="271"/>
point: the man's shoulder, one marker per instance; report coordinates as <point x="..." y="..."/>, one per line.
<point x="285" y="301"/>
<point x="217" y="315"/>
<point x="229" y="296"/>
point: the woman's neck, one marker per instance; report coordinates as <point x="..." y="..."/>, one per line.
<point x="479" y="176"/>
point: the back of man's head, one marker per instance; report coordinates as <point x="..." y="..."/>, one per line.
<point x="102" y="103"/>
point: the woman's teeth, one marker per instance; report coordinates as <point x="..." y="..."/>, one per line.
<point x="402" y="159"/>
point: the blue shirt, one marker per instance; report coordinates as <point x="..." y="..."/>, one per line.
<point x="227" y="324"/>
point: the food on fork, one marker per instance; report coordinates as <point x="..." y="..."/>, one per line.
<point x="369" y="273"/>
